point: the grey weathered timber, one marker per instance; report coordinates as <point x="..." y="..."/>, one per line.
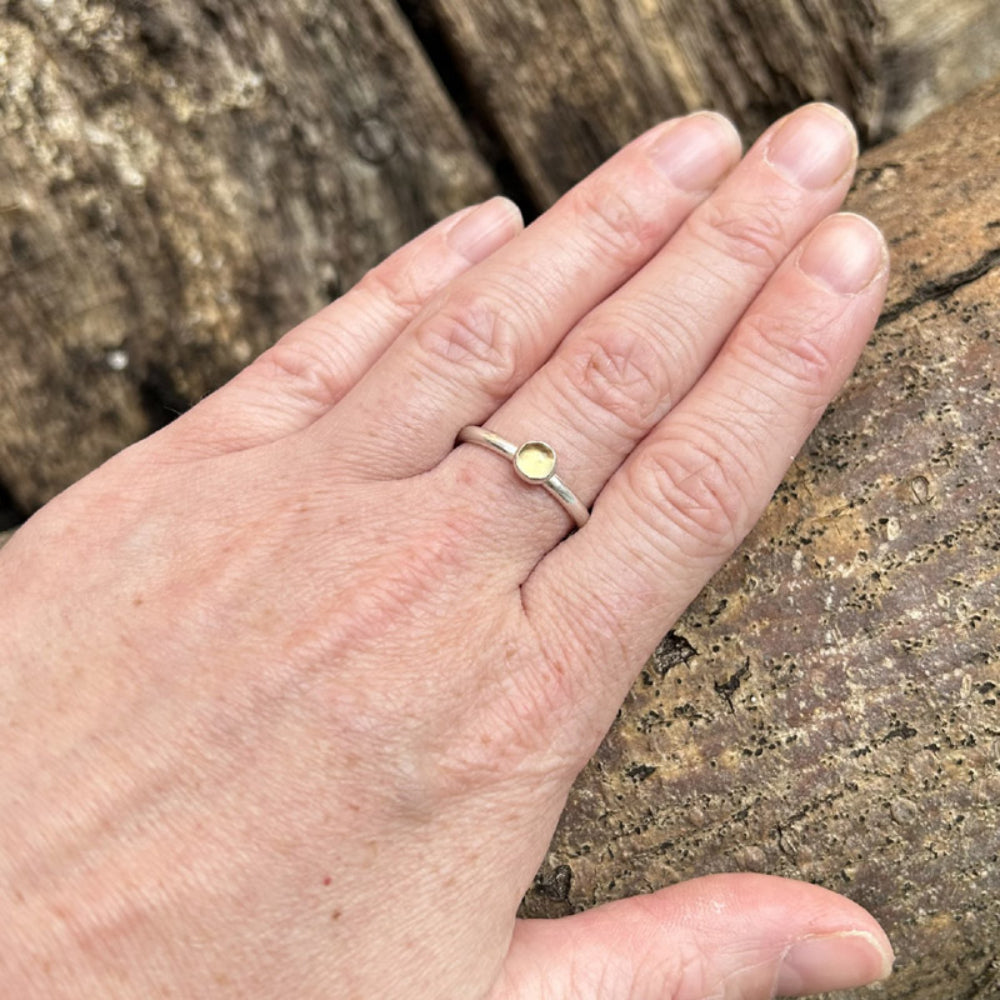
<point x="566" y="83"/>
<point x="829" y="708"/>
<point x="180" y="183"/>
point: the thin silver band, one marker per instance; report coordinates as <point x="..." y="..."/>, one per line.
<point x="534" y="462"/>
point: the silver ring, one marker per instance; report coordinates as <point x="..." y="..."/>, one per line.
<point x="534" y="462"/>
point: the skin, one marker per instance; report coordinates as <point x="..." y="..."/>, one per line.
<point x="294" y="690"/>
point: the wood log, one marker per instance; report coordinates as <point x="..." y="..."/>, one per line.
<point x="182" y="182"/>
<point x="828" y="708"/>
<point x="564" y="84"/>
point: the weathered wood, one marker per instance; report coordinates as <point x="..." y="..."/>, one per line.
<point x="180" y="183"/>
<point x="931" y="53"/>
<point x="828" y="709"/>
<point x="565" y="84"/>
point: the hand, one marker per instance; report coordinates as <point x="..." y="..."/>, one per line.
<point x="294" y="690"/>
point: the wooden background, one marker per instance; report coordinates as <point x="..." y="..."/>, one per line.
<point x="180" y="182"/>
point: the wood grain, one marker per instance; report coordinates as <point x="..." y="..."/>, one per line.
<point x="567" y="83"/>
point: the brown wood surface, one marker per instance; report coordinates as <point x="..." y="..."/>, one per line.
<point x="566" y="83"/>
<point x="181" y="182"/>
<point x="828" y="708"/>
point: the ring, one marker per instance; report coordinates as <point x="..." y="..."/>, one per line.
<point x="534" y="462"/>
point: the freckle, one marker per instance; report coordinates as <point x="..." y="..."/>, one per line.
<point x="137" y="600"/>
<point x="327" y="880"/>
<point x="335" y="915"/>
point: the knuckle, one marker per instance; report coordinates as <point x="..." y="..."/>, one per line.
<point x="475" y="332"/>
<point x="297" y="365"/>
<point x="754" y="236"/>
<point x="790" y="353"/>
<point x="613" y="226"/>
<point x="700" y="486"/>
<point x="619" y="370"/>
<point x="403" y="289"/>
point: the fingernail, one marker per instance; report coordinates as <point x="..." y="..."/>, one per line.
<point x="485" y="229"/>
<point x="845" y="252"/>
<point x="697" y="151"/>
<point x="832" y="962"/>
<point x="814" y="147"/>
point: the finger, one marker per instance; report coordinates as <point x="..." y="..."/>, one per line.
<point x="491" y="328"/>
<point x="688" y="495"/>
<point x="312" y="366"/>
<point x="729" y="937"/>
<point x="638" y="353"/>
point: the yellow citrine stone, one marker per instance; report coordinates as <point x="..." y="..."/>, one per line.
<point x="535" y="461"/>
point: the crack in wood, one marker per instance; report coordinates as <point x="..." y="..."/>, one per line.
<point x="450" y="64"/>
<point x="941" y="288"/>
<point x="12" y="515"/>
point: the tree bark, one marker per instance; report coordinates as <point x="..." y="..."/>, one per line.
<point x="179" y="184"/>
<point x="565" y="84"/>
<point x="828" y="708"/>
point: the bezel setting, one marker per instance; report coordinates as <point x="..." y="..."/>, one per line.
<point x="535" y="462"/>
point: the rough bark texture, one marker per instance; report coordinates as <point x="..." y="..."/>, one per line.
<point x="828" y="709"/>
<point x="566" y="83"/>
<point x="181" y="182"/>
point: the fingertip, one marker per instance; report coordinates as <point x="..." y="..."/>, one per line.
<point x="695" y="152"/>
<point x="824" y="940"/>
<point x="814" y="147"/>
<point x="839" y="961"/>
<point x="485" y="229"/>
<point x="845" y="253"/>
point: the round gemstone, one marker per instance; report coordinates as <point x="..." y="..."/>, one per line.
<point x="535" y="461"/>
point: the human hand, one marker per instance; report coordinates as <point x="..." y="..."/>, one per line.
<point x="295" y="689"/>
